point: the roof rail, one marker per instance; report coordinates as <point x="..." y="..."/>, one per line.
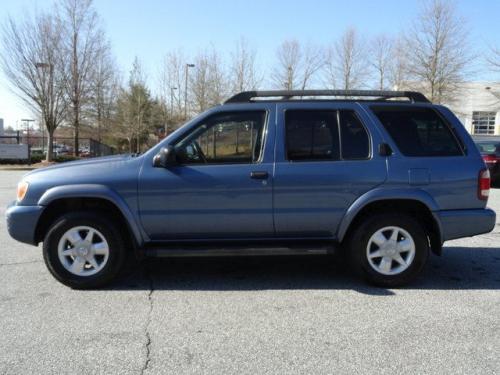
<point x="247" y="96"/>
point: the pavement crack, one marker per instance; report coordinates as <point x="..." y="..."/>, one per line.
<point x="148" y="322"/>
<point x="19" y="263"/>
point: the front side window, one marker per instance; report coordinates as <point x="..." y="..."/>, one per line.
<point x="312" y="135"/>
<point x="227" y="138"/>
<point x="418" y="131"/>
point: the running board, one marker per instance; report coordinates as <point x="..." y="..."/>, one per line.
<point x="235" y="250"/>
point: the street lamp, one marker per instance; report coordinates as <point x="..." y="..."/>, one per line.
<point x="185" y="89"/>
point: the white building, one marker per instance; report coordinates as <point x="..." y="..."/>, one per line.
<point x="477" y="105"/>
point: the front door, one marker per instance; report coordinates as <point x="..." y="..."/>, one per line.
<point x="222" y="185"/>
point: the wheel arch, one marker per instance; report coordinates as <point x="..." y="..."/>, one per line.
<point x="416" y="202"/>
<point x="61" y="199"/>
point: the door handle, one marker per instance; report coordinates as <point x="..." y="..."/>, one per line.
<point x="259" y="175"/>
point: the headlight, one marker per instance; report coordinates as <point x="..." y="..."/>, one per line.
<point x="22" y="189"/>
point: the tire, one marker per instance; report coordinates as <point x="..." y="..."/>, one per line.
<point x="83" y="237"/>
<point x="375" y="260"/>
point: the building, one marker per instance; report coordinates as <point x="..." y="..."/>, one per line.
<point x="477" y="105"/>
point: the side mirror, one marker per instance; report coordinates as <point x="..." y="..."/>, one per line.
<point x="165" y="158"/>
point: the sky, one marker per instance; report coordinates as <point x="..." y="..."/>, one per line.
<point x="150" y="28"/>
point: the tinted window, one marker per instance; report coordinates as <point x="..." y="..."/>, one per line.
<point x="353" y="135"/>
<point x="418" y="131"/>
<point x="489" y="148"/>
<point x="312" y="135"/>
<point x="224" y="139"/>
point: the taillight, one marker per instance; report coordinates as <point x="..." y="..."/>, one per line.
<point x="483" y="190"/>
<point x="490" y="159"/>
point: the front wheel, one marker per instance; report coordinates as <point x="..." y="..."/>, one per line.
<point x="84" y="250"/>
<point x="389" y="250"/>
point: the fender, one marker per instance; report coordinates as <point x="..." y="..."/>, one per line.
<point x="388" y="194"/>
<point x="94" y="191"/>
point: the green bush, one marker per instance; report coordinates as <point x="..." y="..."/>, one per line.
<point x="64" y="158"/>
<point x="37" y="158"/>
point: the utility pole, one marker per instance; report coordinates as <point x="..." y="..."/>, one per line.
<point x="185" y="90"/>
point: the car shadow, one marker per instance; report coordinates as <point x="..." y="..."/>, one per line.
<point x="458" y="268"/>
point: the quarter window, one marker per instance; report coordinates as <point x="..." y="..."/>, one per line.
<point x="418" y="131"/>
<point x="227" y="138"/>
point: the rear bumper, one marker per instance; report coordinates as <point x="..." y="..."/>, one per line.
<point x="22" y="221"/>
<point x="465" y="223"/>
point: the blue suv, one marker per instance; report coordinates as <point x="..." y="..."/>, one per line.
<point x="384" y="176"/>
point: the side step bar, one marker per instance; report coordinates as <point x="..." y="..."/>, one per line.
<point x="180" y="250"/>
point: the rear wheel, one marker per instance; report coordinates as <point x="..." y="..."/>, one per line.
<point x="84" y="250"/>
<point x="389" y="249"/>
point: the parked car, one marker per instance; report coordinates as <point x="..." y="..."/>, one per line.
<point x="490" y="151"/>
<point x="373" y="174"/>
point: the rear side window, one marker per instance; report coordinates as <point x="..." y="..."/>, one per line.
<point x="418" y="131"/>
<point x="312" y="135"/>
<point x="354" y="138"/>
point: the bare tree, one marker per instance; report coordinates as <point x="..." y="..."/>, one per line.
<point x="398" y="68"/>
<point x="208" y="84"/>
<point x="346" y="62"/>
<point x="382" y="48"/>
<point x="438" y="50"/>
<point x="104" y="87"/>
<point x="244" y="75"/>
<point x="32" y="64"/>
<point x="297" y="65"/>
<point x="83" y="42"/>
<point x="285" y="73"/>
<point x="172" y="84"/>
<point x="493" y="58"/>
<point x="134" y="110"/>
<point x="313" y="59"/>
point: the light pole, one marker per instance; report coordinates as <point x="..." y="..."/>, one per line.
<point x="185" y="89"/>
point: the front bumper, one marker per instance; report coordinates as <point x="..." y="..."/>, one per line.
<point x="466" y="223"/>
<point x="22" y="221"/>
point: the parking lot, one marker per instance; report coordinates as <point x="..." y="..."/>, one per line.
<point x="251" y="315"/>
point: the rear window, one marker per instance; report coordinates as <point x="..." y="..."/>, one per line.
<point x="418" y="131"/>
<point x="489" y="148"/>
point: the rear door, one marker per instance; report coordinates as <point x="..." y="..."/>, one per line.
<point x="325" y="159"/>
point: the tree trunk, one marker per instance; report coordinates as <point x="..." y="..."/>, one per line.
<point x="50" y="144"/>
<point x="76" y="124"/>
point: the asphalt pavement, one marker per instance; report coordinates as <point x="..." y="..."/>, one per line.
<point x="274" y="315"/>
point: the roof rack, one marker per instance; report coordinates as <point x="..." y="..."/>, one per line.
<point x="247" y="96"/>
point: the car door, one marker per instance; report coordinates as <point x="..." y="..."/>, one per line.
<point x="325" y="159"/>
<point x="222" y="185"/>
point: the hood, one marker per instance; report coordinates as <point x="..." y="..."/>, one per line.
<point x="116" y="172"/>
<point x="114" y="159"/>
